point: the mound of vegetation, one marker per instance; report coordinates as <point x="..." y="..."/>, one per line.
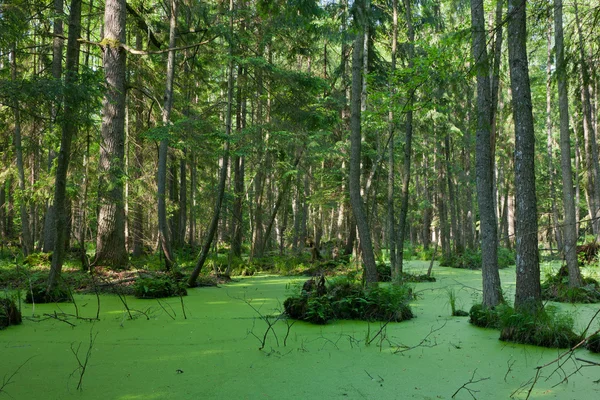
<point x="546" y="328"/>
<point x="556" y="288"/>
<point x="37" y="293"/>
<point x="471" y="259"/>
<point x="586" y="253"/>
<point x="342" y="298"/>
<point x="593" y="343"/>
<point x="9" y="313"/>
<point x="158" y="286"/>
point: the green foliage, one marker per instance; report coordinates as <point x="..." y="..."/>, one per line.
<point x="546" y="328"/>
<point x="452" y="302"/>
<point x="158" y="286"/>
<point x="484" y="317"/>
<point x="471" y="259"/>
<point x="593" y="343"/>
<point x="37" y="293"/>
<point x="9" y="313"/>
<point x="556" y="288"/>
<point x="347" y="299"/>
<point x="384" y="272"/>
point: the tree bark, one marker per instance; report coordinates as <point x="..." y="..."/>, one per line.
<point x="406" y="164"/>
<point x="589" y="132"/>
<point x="528" y="290"/>
<point x="163" y="150"/>
<point x="391" y="229"/>
<point x="57" y="52"/>
<point x="355" y="150"/>
<point x="110" y="242"/>
<point x="570" y="227"/>
<point x="69" y="130"/>
<point x="492" y="293"/>
<point x="26" y="241"/>
<point x="225" y="161"/>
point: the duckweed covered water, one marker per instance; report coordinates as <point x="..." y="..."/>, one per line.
<point x="214" y="353"/>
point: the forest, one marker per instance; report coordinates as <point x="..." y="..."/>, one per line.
<point x="303" y="175"/>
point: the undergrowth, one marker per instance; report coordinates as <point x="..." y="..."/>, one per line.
<point x="556" y="288"/>
<point x="471" y="259"/>
<point x="546" y="328"/>
<point x="343" y="298"/>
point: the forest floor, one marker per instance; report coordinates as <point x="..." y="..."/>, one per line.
<point x="208" y="347"/>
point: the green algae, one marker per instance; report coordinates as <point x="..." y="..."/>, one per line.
<point x="213" y="354"/>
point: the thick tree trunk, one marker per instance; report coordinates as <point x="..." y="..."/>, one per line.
<point x="570" y="227"/>
<point x="163" y="150"/>
<point x="492" y="294"/>
<point x="356" y="200"/>
<point x="110" y="242"/>
<point x="528" y="290"/>
<point x="69" y="130"/>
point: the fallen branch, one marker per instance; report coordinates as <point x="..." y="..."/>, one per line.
<point x="403" y="349"/>
<point x="7" y="381"/>
<point x="470" y="382"/>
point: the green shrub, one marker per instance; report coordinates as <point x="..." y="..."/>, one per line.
<point x="384" y="272"/>
<point x="37" y="294"/>
<point x="593" y="343"/>
<point x="9" y="313"/>
<point x="546" y="328"/>
<point x="471" y="259"/>
<point x="484" y="317"/>
<point x="158" y="286"/>
<point x="347" y="299"/>
<point x="506" y="257"/>
<point x="556" y="288"/>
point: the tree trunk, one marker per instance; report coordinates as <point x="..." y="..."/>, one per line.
<point x="528" y="290"/>
<point x="110" y="242"/>
<point x="492" y="293"/>
<point x="550" y="145"/>
<point x="26" y="241"/>
<point x="570" y="227"/>
<point x="355" y="151"/>
<point x="69" y="130"/>
<point x="163" y="150"/>
<point x="589" y="131"/>
<point x="391" y="229"/>
<point x="223" y="173"/>
<point x="57" y="52"/>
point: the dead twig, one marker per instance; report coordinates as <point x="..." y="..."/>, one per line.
<point x="7" y="381"/>
<point x="402" y="349"/>
<point x="82" y="364"/>
<point x="470" y="382"/>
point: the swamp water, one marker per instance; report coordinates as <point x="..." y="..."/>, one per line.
<point x="213" y="354"/>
